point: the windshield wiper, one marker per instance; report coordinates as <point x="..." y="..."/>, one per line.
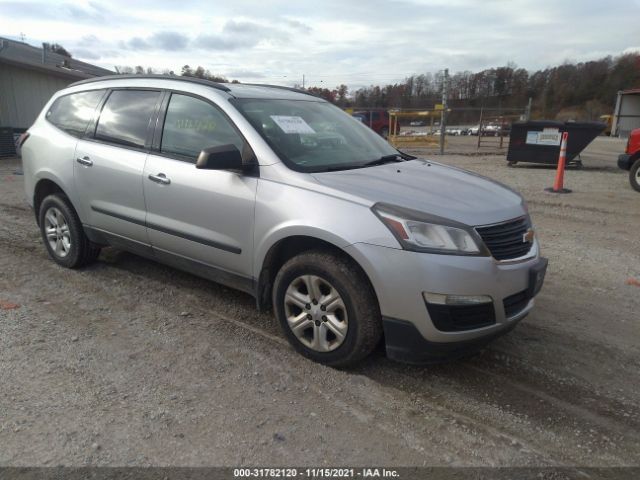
<point x="337" y="168"/>
<point x="396" y="157"/>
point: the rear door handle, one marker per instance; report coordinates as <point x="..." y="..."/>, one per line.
<point x="160" y="178"/>
<point x="86" y="161"/>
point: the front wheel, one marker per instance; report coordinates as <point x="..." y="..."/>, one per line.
<point x="327" y="308"/>
<point x="634" y="176"/>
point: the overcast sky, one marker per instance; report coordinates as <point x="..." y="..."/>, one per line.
<point x="357" y="42"/>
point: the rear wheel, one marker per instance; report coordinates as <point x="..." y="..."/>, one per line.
<point x="63" y="235"/>
<point x="634" y="176"/>
<point x="327" y="308"/>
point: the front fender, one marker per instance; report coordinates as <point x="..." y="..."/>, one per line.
<point x="285" y="211"/>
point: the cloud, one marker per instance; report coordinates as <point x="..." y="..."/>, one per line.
<point x="354" y="42"/>
<point x="171" y="41"/>
<point x="234" y="35"/>
<point x="89" y="41"/>
<point x="298" y="25"/>
<point x="85" y="54"/>
<point x="223" y="42"/>
<point x="168" y="41"/>
<point x="89" y="12"/>
<point x="136" y="43"/>
<point x="252" y="32"/>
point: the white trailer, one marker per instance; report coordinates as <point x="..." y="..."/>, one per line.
<point x="626" y="116"/>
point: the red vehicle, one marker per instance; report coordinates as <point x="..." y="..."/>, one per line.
<point x="378" y="120"/>
<point x="630" y="160"/>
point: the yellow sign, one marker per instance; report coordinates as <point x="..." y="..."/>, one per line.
<point x="439" y="106"/>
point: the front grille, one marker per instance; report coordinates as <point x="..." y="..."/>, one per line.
<point x="456" y="318"/>
<point x="515" y="303"/>
<point x="505" y="240"/>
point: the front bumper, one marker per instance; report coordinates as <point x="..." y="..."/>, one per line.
<point x="400" y="277"/>
<point x="624" y="161"/>
<point x="404" y="343"/>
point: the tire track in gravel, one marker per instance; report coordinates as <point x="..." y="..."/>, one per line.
<point x="565" y="432"/>
<point x="372" y="411"/>
<point x="434" y="388"/>
<point x="367" y="412"/>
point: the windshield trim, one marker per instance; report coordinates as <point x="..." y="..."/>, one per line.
<point x="236" y="102"/>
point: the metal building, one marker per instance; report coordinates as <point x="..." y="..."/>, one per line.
<point x="626" y="116"/>
<point x="30" y="75"/>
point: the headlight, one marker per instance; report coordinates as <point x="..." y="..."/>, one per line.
<point x="420" y="232"/>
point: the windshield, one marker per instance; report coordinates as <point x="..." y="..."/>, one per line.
<point x="312" y="136"/>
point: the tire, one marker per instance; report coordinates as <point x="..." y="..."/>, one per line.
<point x="384" y="133"/>
<point x="67" y="243"/>
<point x="354" y="313"/>
<point x="634" y="176"/>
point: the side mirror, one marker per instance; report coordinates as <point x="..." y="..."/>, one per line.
<point x="222" y="157"/>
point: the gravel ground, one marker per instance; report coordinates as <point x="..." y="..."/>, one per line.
<point x="128" y="362"/>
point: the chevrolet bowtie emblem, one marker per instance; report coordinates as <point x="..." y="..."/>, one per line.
<point x="528" y="236"/>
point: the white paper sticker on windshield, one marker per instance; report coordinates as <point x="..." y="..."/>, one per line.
<point x="292" y="124"/>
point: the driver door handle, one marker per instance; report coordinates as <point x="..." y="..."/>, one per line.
<point x="160" y="178"/>
<point x="86" y="161"/>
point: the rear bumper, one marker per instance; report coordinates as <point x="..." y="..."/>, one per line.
<point x="625" y="161"/>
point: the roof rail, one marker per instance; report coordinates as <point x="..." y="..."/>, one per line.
<point x="200" y="81"/>
<point x="281" y="87"/>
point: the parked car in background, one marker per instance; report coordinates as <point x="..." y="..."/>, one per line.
<point x="282" y="195"/>
<point x="378" y="120"/>
<point x="490" y="130"/>
<point x="474" y="130"/>
<point x="630" y="160"/>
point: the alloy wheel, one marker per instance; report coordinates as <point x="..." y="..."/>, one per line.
<point x="316" y="313"/>
<point x="57" y="231"/>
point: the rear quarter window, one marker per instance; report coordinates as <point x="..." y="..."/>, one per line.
<point x="72" y="113"/>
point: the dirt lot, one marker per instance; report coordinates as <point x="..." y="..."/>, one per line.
<point x="132" y="363"/>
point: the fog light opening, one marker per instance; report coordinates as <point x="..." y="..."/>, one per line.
<point x="442" y="299"/>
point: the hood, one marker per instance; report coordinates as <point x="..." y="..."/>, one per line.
<point x="432" y="188"/>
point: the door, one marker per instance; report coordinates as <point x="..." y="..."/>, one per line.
<point x="109" y="166"/>
<point x="200" y="216"/>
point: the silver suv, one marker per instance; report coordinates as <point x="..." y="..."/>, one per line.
<point x="282" y="195"/>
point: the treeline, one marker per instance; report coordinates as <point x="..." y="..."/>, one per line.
<point x="582" y="91"/>
<point x="186" y="71"/>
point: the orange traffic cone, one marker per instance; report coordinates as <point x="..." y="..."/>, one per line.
<point x="558" y="185"/>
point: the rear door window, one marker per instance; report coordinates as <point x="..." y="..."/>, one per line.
<point x="72" y="113"/>
<point x="192" y="124"/>
<point x="125" y="117"/>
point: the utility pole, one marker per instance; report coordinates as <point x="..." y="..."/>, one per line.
<point x="303" y="80"/>
<point x="527" y="115"/>
<point x="443" y="114"/>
